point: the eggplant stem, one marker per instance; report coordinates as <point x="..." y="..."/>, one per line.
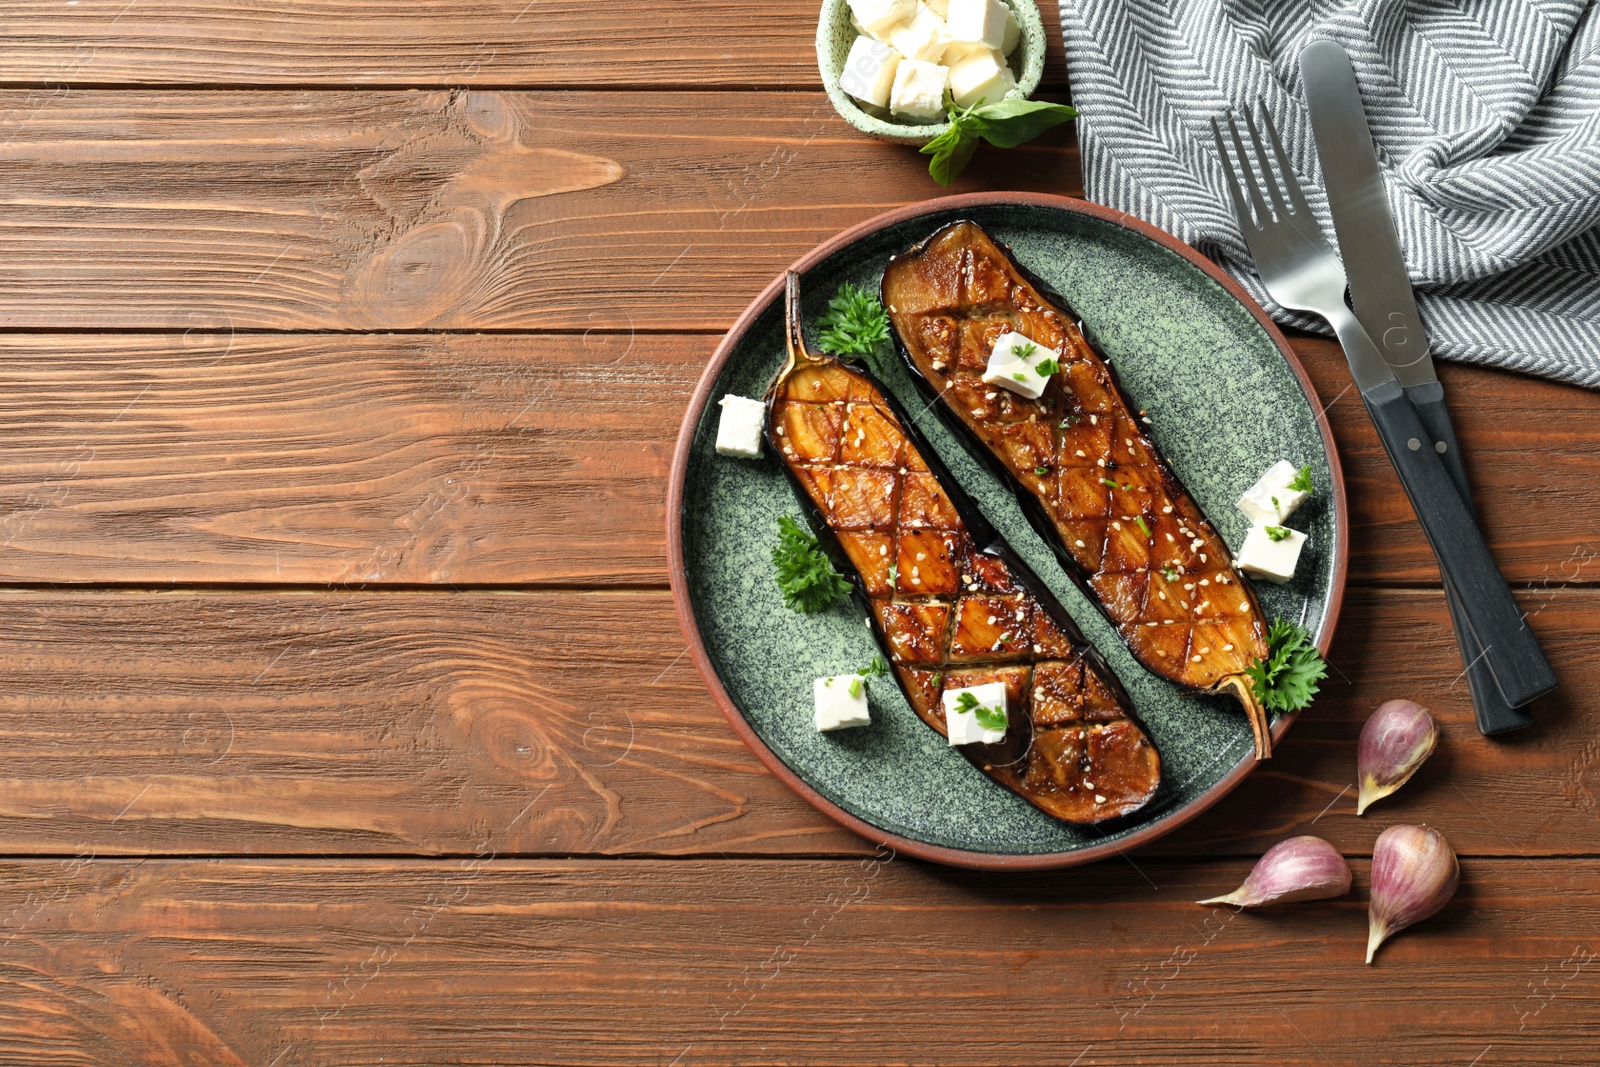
<point x="1260" y="722"/>
<point x="794" y="327"/>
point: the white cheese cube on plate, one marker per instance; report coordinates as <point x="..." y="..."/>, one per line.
<point x="939" y="7"/>
<point x="961" y="724"/>
<point x="1271" y="552"/>
<point x="981" y="75"/>
<point x="956" y="51"/>
<point x="878" y="17"/>
<point x="980" y="21"/>
<point x="1013" y="34"/>
<point x="841" y="702"/>
<point x="739" y="428"/>
<point x="919" y="89"/>
<point x="1021" y="364"/>
<point x="1271" y="500"/>
<point x="922" y="36"/>
<point x="868" y="73"/>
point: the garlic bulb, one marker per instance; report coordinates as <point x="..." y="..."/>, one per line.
<point x="1301" y="868"/>
<point x="1396" y="740"/>
<point x="1414" y="874"/>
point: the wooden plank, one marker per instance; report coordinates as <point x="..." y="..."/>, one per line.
<point x="509" y="43"/>
<point x="436" y="210"/>
<point x="423" y="458"/>
<point x="471" y="459"/>
<point x="876" y="961"/>
<point x="574" y="723"/>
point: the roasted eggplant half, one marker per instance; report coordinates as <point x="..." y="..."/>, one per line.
<point x="1088" y="475"/>
<point x="951" y="604"/>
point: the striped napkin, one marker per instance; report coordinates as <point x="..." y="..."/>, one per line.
<point x="1486" y="114"/>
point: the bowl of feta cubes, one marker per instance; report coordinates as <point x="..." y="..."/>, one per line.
<point x="888" y="65"/>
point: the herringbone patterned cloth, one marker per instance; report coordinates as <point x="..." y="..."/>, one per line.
<point x="1487" y="118"/>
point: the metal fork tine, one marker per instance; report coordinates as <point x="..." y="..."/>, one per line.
<point x="1249" y="174"/>
<point x="1272" y="177"/>
<point x="1232" y="175"/>
<point x="1296" y="198"/>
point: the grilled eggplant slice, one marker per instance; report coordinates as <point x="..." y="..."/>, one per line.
<point x="1088" y="475"/>
<point x="951" y="605"/>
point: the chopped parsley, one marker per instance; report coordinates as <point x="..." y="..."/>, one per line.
<point x="804" y="575"/>
<point x="1169" y="574"/>
<point x="1278" y="533"/>
<point x="1145" y="526"/>
<point x="1302" y="480"/>
<point x="1024" y="350"/>
<point x="1046" y="367"/>
<point x="1042" y="469"/>
<point x="855" y="687"/>
<point x="1108" y="481"/>
<point x="1019" y="376"/>
<point x="1286" y="679"/>
<point x="876" y="669"/>
<point x="989" y="717"/>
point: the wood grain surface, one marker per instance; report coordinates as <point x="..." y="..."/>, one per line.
<point x="869" y="961"/>
<point x="346" y="719"/>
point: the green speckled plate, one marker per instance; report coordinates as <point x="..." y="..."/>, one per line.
<point x="1227" y="398"/>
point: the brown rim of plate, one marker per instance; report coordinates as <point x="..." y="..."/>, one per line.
<point x="958" y="857"/>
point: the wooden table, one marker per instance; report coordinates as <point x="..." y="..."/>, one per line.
<point x="346" y="718"/>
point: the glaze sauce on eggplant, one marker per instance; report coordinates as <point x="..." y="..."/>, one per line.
<point x="1101" y="493"/>
<point x="950" y="613"/>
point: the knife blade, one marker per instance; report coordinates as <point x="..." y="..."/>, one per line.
<point x="1380" y="289"/>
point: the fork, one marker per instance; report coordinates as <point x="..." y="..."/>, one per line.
<point x="1299" y="270"/>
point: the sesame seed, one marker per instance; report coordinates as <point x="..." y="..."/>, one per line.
<point x="915" y="580"/>
<point x="1167" y="510"/>
<point x="1082" y="453"/>
<point x="1194" y="659"/>
<point x="991" y="620"/>
<point x="1205" y="581"/>
<point x="922" y="555"/>
<point x="780" y="431"/>
<point x="1101" y="462"/>
<point x="1163" y="596"/>
<point x="915" y="571"/>
<point x="1188" y="585"/>
<point x="1038" y="648"/>
<point x="1078" y="543"/>
<point x="1116" y="525"/>
<point x="1172" y="539"/>
<point x="1227" y="648"/>
<point x="1098" y="799"/>
<point x="1094" y="420"/>
<point x="1206" y="649"/>
<point x="883" y="550"/>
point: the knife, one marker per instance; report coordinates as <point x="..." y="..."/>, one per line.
<point x="1385" y="306"/>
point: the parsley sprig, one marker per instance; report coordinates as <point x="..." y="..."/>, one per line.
<point x="989" y="716"/>
<point x="855" y="324"/>
<point x="1286" y="680"/>
<point x="1005" y="124"/>
<point x="1302" y="480"/>
<point x="805" y="577"/>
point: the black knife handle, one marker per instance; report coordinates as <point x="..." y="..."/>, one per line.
<point x="1517" y="662"/>
<point x="1495" y="716"/>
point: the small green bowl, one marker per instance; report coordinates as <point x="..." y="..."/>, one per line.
<point x="835" y="35"/>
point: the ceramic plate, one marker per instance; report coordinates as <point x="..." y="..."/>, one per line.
<point x="1226" y="397"/>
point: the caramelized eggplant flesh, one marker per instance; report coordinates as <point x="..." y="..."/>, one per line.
<point x="1079" y="456"/>
<point x="949" y="612"/>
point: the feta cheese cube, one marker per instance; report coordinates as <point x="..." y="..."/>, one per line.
<point x="868" y="73"/>
<point x="1013" y="34"/>
<point x="1271" y="500"/>
<point x="919" y="89"/>
<point x="962" y="726"/>
<point x="922" y="36"/>
<point x="878" y="17"/>
<point x="979" y="21"/>
<point x="939" y="7"/>
<point x="841" y="702"/>
<point x="981" y="75"/>
<point x="1021" y="364"/>
<point x="1269" y="558"/>
<point x="739" y="427"/>
<point x="956" y="51"/>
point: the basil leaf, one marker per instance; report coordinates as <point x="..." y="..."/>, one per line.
<point x="1009" y="123"/>
<point x="951" y="151"/>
